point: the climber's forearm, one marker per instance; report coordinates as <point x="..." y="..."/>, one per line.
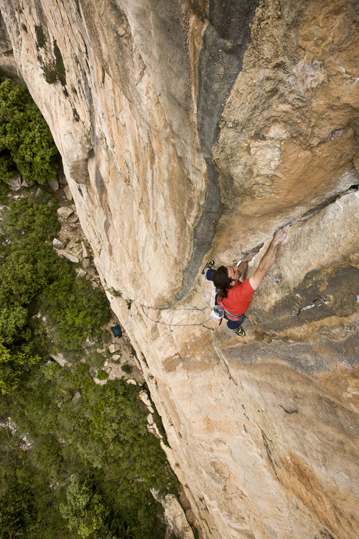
<point x="243" y="267"/>
<point x="264" y="266"/>
<point x="268" y="259"/>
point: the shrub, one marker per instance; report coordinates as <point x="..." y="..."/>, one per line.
<point x="75" y="309"/>
<point x="31" y="221"/>
<point x="11" y="364"/>
<point x="40" y="36"/>
<point x="49" y="71"/>
<point x="33" y="277"/>
<point x="127" y="368"/>
<point x="54" y="68"/>
<point x="84" y="511"/>
<point x="95" y="359"/>
<point x="94" y="451"/>
<point x="12" y="319"/>
<point x="59" y="64"/>
<point x="102" y="375"/>
<point x="26" y="143"/>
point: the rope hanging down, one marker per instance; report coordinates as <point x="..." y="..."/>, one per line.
<point x="175" y="325"/>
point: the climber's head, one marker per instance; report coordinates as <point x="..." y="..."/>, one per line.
<point x="224" y="278"/>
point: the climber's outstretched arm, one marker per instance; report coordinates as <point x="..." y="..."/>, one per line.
<point x="268" y="259"/>
<point x="242" y="267"/>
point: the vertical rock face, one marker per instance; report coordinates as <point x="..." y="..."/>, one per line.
<point x="191" y="130"/>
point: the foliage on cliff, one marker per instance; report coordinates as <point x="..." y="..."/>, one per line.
<point x="88" y="462"/>
<point x="26" y="143"/>
<point x="33" y="278"/>
<point x="91" y="462"/>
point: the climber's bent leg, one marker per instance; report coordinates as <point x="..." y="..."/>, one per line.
<point x="234" y="324"/>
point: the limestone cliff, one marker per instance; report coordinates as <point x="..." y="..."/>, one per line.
<point x="189" y="130"/>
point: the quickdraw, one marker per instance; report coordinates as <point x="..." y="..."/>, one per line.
<point x="316" y="303"/>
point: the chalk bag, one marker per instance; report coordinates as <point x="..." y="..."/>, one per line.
<point x="217" y="313"/>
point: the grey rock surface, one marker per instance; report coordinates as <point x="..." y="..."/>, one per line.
<point x="59" y="358"/>
<point x="68" y="193"/>
<point x="15" y="183"/>
<point x="65" y="212"/>
<point x="85" y="252"/>
<point x="58" y="244"/>
<point x="69" y="256"/>
<point x="81" y="273"/>
<point x="54" y="184"/>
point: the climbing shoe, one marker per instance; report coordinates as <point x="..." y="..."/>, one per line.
<point x="209" y="265"/>
<point x="240" y="332"/>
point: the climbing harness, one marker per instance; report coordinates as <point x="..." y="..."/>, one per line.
<point x="317" y="302"/>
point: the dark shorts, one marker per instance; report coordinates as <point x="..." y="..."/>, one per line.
<point x="231" y="324"/>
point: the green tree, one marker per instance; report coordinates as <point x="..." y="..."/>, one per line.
<point x="11" y="366"/>
<point x="13" y="318"/>
<point x="84" y="511"/>
<point x="31" y="222"/>
<point x="33" y="277"/>
<point x="17" y="510"/>
<point x="26" y="143"/>
<point x="28" y="504"/>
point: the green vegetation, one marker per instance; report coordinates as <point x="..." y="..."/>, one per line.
<point x="102" y="375"/>
<point x="49" y="71"/>
<point x="127" y="368"/>
<point x="54" y="68"/>
<point x="59" y="64"/>
<point x="91" y="462"/>
<point x="11" y="366"/>
<point x="26" y="143"/>
<point x="33" y="278"/>
<point x="75" y="115"/>
<point x="114" y="292"/>
<point x="40" y="37"/>
<point x="87" y="463"/>
<point x="159" y="424"/>
<point x="95" y="359"/>
<point x="84" y="510"/>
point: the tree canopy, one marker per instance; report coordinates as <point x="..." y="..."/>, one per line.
<point x="26" y="143"/>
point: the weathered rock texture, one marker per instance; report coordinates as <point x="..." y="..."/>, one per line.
<point x="190" y="130"/>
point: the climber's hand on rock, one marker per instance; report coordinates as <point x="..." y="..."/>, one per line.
<point x="250" y="256"/>
<point x="280" y="234"/>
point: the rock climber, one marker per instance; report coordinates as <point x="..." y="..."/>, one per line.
<point x="232" y="294"/>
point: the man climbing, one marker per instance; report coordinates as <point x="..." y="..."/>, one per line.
<point x="235" y="296"/>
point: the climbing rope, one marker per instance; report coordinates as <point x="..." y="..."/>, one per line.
<point x="175" y="325"/>
<point x="171" y="308"/>
<point x="317" y="302"/>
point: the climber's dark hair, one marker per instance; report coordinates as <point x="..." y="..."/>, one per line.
<point x="222" y="281"/>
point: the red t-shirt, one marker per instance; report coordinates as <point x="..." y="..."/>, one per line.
<point x="238" y="298"/>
